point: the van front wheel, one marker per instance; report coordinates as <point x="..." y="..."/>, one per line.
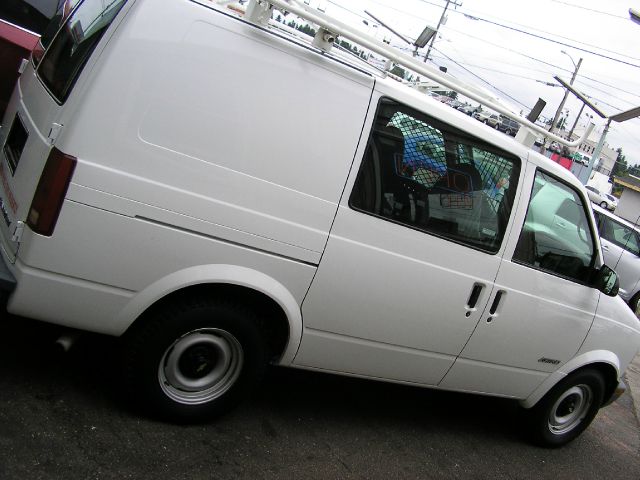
<point x="195" y="360"/>
<point x="567" y="410"/>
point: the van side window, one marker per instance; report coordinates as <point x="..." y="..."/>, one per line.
<point x="619" y="234"/>
<point x="430" y="176"/>
<point x="556" y="236"/>
<point x="74" y="43"/>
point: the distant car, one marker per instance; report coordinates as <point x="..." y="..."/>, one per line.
<point x="508" y="126"/>
<point x="492" y="120"/>
<point x="621" y="248"/>
<point x="21" y="24"/>
<point x="480" y="115"/>
<point x="466" y="109"/>
<point x="602" y="199"/>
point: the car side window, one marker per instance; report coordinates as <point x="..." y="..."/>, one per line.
<point x="33" y="15"/>
<point x="619" y="234"/>
<point x="430" y="176"/>
<point x="556" y="237"/>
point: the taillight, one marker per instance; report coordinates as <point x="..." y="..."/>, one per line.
<point x="50" y="193"/>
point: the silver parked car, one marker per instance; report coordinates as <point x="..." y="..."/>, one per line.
<point x="600" y="198"/>
<point x="621" y="248"/>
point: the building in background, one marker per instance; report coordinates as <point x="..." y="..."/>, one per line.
<point x="629" y="204"/>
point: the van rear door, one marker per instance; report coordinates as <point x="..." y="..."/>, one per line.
<point x="31" y="123"/>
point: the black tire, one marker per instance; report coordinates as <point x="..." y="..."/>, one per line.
<point x="194" y="360"/>
<point x="634" y="303"/>
<point x="604" y="205"/>
<point x="496" y="127"/>
<point x="567" y="410"/>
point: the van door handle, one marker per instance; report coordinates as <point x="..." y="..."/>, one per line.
<point x="475" y="295"/>
<point x="496" y="302"/>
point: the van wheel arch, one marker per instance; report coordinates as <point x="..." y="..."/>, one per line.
<point x="272" y="318"/>
<point x="608" y="372"/>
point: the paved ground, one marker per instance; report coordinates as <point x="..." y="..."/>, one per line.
<point x="62" y="417"/>
<point x="633" y="382"/>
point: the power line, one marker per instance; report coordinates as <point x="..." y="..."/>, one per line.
<point x="556" y="41"/>
<point x="556" y="67"/>
<point x="466" y="13"/>
<point x="590" y="9"/>
<point x="480" y="78"/>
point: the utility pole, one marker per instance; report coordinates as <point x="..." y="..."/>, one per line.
<point x="442" y="17"/>
<point x="618" y="117"/>
<point x="566" y="92"/>
<point x="576" y="121"/>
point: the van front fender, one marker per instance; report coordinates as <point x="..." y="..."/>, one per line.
<point x="224" y="275"/>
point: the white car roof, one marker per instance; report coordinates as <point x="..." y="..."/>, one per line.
<point x="618" y="219"/>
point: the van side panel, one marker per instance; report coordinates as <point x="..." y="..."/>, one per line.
<point x="127" y="264"/>
<point x="198" y="114"/>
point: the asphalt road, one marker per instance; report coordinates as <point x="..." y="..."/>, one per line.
<point x="63" y="417"/>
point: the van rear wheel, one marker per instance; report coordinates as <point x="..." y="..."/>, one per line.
<point x="567" y="410"/>
<point x="195" y="360"/>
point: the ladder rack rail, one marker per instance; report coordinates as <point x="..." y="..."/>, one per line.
<point x="339" y="28"/>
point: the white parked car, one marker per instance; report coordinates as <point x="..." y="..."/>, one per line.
<point x="222" y="197"/>
<point x="602" y="199"/>
<point x="621" y="248"/>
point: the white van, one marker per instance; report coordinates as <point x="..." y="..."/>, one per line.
<point x="223" y="195"/>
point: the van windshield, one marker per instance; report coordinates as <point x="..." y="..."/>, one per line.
<point x="73" y="44"/>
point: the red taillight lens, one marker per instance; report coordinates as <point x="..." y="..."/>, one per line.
<point x="50" y="193"/>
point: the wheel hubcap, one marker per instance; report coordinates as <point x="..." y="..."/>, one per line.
<point x="570" y="409"/>
<point x="200" y="366"/>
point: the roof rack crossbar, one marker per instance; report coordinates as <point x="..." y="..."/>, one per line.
<point x="336" y="26"/>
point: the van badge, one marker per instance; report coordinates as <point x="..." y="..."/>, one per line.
<point x="552" y="361"/>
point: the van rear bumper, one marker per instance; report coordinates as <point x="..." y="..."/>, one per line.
<point x="7" y="280"/>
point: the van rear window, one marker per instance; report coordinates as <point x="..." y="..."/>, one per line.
<point x="72" y="46"/>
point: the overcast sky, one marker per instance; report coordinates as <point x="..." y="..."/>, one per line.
<point x="516" y="63"/>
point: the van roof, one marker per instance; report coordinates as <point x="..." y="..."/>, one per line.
<point x="259" y="12"/>
<point x="401" y="90"/>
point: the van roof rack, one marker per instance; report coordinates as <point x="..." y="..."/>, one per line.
<point x="259" y="12"/>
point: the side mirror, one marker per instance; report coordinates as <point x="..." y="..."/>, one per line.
<point x="606" y="280"/>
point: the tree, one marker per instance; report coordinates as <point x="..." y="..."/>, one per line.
<point x="620" y="167"/>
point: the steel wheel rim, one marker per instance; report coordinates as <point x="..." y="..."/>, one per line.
<point x="200" y="366"/>
<point x="570" y="409"/>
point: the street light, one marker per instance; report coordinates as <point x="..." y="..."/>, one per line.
<point x="566" y="93"/>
